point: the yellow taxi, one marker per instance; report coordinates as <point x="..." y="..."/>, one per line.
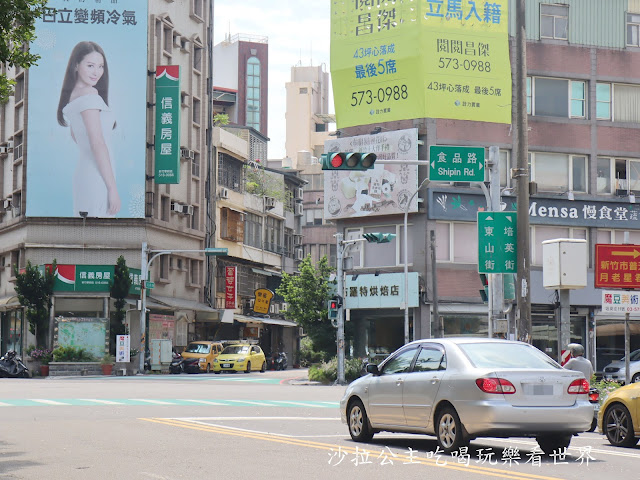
<point x="240" y="358"/>
<point x="619" y="416"/>
<point x="200" y="356"/>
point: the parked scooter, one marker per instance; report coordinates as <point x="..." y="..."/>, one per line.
<point x="11" y="366"/>
<point x="594" y="399"/>
<point x="280" y="361"/>
<point x="177" y="363"/>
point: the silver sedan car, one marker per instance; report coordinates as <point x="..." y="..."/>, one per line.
<point x="459" y="389"/>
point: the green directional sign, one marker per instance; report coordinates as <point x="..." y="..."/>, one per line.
<point x="456" y="164"/>
<point x="212" y="252"/>
<point x="497" y="242"/>
<point x="149" y="285"/>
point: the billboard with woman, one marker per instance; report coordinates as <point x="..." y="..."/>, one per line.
<point x="86" y="137"/>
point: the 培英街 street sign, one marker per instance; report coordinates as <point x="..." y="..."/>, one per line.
<point x="497" y="242"/>
<point x="456" y="164"/>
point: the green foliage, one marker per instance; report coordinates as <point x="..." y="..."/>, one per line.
<point x="34" y="290"/>
<point x="306" y="295"/>
<point x="307" y="354"/>
<point x="72" y="354"/>
<point x="327" y="372"/>
<point x="44" y="355"/>
<point x="263" y="183"/>
<point x="17" y="28"/>
<point x="220" y="119"/>
<point x="605" y="387"/>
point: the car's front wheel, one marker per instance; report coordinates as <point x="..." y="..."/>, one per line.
<point x="553" y="443"/>
<point x="449" y="430"/>
<point x="359" y="427"/>
<point x="248" y="367"/>
<point x="618" y="426"/>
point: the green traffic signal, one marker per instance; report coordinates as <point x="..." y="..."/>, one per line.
<point x="379" y="237"/>
<point x="348" y="161"/>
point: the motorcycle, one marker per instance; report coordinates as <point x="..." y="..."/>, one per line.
<point x="280" y="361"/>
<point x="11" y="366"/>
<point x="594" y="399"/>
<point x="177" y="364"/>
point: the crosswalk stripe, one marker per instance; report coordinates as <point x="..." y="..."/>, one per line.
<point x="202" y="402"/>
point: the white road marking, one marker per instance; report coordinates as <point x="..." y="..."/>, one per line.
<point x="104" y="402"/>
<point x="146" y="400"/>
<point x="47" y="402"/>
<point x="593" y="450"/>
<point x="256" y="418"/>
<point x="202" y="402"/>
<point x="298" y="404"/>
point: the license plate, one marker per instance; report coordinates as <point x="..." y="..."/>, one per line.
<point x="535" y="389"/>
<point x="226" y="365"/>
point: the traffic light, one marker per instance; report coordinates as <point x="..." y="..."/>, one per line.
<point x="348" y="161"/>
<point x="484" y="293"/>
<point x="379" y="237"/>
<point x="333" y="309"/>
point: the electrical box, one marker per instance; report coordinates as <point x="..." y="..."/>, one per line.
<point x="160" y="354"/>
<point x="564" y="263"/>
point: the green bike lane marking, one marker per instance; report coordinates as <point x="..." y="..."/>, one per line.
<point x="179" y="378"/>
<point x="44" y="402"/>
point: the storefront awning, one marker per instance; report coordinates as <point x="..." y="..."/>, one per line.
<point x="268" y="273"/>
<point x="7" y="303"/>
<point x="268" y="321"/>
<point x="204" y="311"/>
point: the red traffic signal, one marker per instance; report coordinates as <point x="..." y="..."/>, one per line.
<point x="348" y="161"/>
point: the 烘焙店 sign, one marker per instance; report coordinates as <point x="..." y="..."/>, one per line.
<point x="167" y="143"/>
<point x="230" y="285"/>
<point x="617" y="266"/>
<point x="90" y="278"/>
<point x="620" y="302"/>
<point x="380" y="291"/>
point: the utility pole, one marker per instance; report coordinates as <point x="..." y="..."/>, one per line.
<point x="521" y="175"/>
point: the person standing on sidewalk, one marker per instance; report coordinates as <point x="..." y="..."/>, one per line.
<point x="578" y="362"/>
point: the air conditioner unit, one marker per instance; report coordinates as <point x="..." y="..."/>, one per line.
<point x="4" y="149"/>
<point x="6" y="203"/>
<point x="299" y="254"/>
<point x="274" y="309"/>
<point x="176" y="207"/>
<point x="298" y="192"/>
<point x="298" y="209"/>
<point x="269" y="202"/>
<point x="186" y="153"/>
<point x="297" y="240"/>
<point x="188" y="209"/>
<point x="224" y="193"/>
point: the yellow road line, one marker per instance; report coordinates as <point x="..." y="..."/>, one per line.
<point x="493" y="472"/>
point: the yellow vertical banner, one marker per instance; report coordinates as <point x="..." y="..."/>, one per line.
<point x="403" y="59"/>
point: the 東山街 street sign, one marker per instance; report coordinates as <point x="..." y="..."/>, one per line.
<point x="456" y="164"/>
<point x="497" y="242"/>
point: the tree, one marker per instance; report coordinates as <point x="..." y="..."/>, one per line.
<point x="119" y="290"/>
<point x="306" y="296"/>
<point x="17" y="28"/>
<point x="34" y="289"/>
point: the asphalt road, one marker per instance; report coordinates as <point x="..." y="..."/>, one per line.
<point x="258" y="426"/>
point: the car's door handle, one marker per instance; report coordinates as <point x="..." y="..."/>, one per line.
<point x="435" y="380"/>
<point x="399" y="382"/>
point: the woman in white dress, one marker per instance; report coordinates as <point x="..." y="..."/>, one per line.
<point x="84" y="107"/>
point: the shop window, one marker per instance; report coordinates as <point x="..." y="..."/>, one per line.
<point x="555" y="172"/>
<point x="541" y="233"/>
<point x="556" y="97"/>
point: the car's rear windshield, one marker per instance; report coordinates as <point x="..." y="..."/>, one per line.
<point x="507" y="355"/>
<point x="236" y="349"/>
<point x="198" y="348"/>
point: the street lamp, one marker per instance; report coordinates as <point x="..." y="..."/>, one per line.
<point x="406" y="262"/>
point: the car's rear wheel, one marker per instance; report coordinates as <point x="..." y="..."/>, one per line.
<point x="635" y="378"/>
<point x="594" y="424"/>
<point x="553" y="443"/>
<point x="359" y="427"/>
<point x="264" y="367"/>
<point x="618" y="426"/>
<point x="449" y="430"/>
<point x="248" y="367"/>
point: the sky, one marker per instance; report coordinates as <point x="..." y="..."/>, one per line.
<point x="298" y="33"/>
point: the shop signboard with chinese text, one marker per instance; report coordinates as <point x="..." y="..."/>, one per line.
<point x="616" y="301"/>
<point x="90" y="278"/>
<point x="380" y="291"/>
<point x="262" y="300"/>
<point x="167" y="146"/>
<point x="617" y="266"/>
<point x="403" y="60"/>
<point x="383" y="190"/>
<point x="230" y="288"/>
<point x="497" y="242"/>
<point x="456" y="164"/>
<point x="123" y="348"/>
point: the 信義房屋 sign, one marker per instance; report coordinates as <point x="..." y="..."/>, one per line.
<point x="90" y="278"/>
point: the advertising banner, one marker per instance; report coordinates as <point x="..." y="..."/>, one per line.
<point x="617" y="266"/>
<point x="382" y="190"/>
<point x="90" y="278"/>
<point x="87" y="107"/>
<point x="167" y="147"/>
<point x="620" y="302"/>
<point x="230" y="288"/>
<point x="123" y="348"/>
<point x="402" y="60"/>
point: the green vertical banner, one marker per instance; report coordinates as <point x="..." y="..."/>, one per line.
<point x="497" y="242"/>
<point x="167" y="140"/>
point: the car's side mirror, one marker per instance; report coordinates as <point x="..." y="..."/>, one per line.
<point x="373" y="368"/>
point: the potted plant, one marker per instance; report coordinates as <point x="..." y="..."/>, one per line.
<point x="44" y="356"/>
<point x="107" y="364"/>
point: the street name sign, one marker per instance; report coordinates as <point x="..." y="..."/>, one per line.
<point x="497" y="242"/>
<point x="212" y="252"/>
<point x="456" y="164"/>
<point x="617" y="266"/>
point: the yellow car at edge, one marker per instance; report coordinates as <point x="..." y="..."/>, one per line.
<point x="619" y="416"/>
<point x="240" y="358"/>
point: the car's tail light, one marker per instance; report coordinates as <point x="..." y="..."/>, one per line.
<point x="593" y="397"/>
<point x="495" y="385"/>
<point x="578" y="386"/>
